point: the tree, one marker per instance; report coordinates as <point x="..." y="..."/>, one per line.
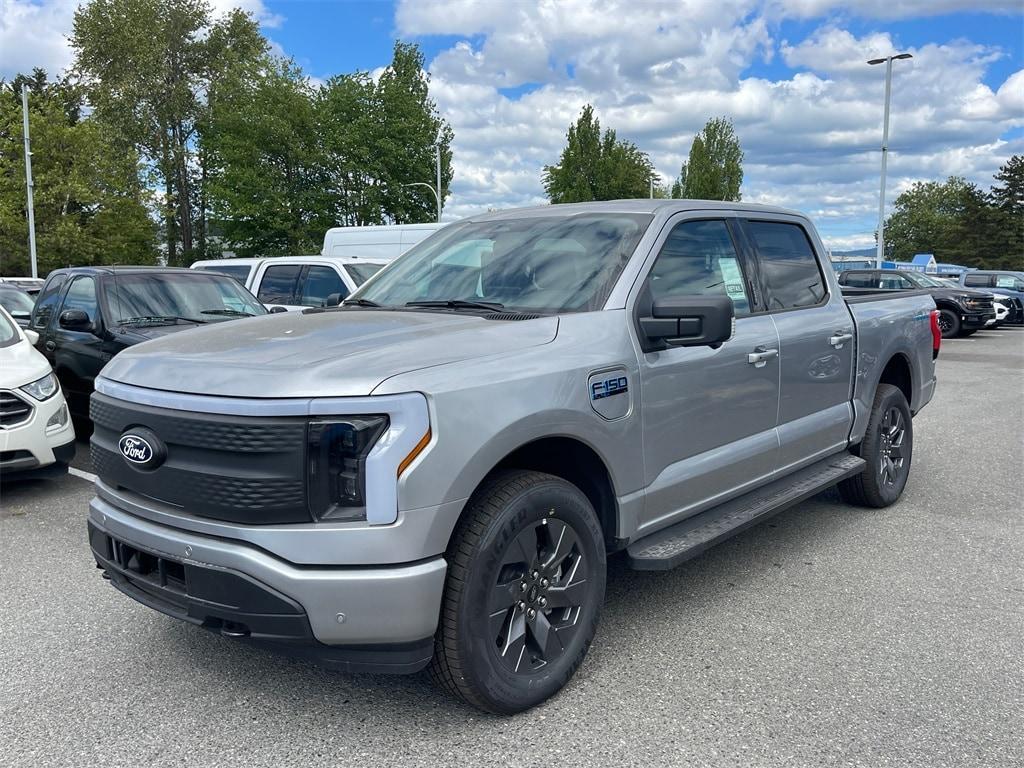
<point x="1010" y="195"/>
<point x="714" y="168"/>
<point x="379" y="136"/>
<point x="90" y="207"/>
<point x="146" y="66"/>
<point x="265" y="183"/>
<point x="597" y="167"/>
<point x="956" y="221"/>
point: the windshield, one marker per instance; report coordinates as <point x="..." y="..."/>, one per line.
<point x="16" y="301"/>
<point x="200" y="297"/>
<point x="360" y="273"/>
<point x="238" y="271"/>
<point x="925" y="281"/>
<point x="538" y="264"/>
<point x="8" y="332"/>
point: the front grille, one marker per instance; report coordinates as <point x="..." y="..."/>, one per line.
<point x="980" y="305"/>
<point x="235" y="468"/>
<point x="13" y="410"/>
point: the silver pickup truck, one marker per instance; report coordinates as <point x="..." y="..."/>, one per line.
<point x="434" y="473"/>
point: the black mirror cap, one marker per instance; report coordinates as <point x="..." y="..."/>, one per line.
<point x="277" y="310"/>
<point x="689" y="321"/>
<point x="333" y="300"/>
<point x="75" y="320"/>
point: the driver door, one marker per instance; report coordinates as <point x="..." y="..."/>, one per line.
<point x="78" y="354"/>
<point x="709" y="414"/>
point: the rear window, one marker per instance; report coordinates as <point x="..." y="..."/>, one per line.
<point x="789" y="269"/>
<point x="977" y="280"/>
<point x="360" y="273"/>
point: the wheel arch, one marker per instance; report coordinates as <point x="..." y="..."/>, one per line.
<point x="900" y="374"/>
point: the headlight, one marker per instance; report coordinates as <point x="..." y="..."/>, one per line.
<point x="44" y="388"/>
<point x="336" y="453"/>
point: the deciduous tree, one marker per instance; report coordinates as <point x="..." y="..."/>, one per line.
<point x="714" y="168"/>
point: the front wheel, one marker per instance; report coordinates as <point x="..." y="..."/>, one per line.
<point x="525" y="584"/>
<point x="949" y="323"/>
<point x="887" y="447"/>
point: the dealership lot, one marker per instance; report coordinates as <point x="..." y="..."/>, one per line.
<point x="831" y="635"/>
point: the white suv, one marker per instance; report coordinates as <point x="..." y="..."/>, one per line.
<point x="35" y="427"/>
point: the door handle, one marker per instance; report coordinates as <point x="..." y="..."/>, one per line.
<point x="760" y="356"/>
<point x="840" y="338"/>
<point x="50" y="346"/>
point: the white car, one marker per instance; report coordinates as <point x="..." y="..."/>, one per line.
<point x="35" y="426"/>
<point x="1002" y="306"/>
<point x="296" y="282"/>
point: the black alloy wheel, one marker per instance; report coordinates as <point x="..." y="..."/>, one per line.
<point x="891" y="459"/>
<point x="949" y="323"/>
<point x="523" y="592"/>
<point x="887" y="449"/>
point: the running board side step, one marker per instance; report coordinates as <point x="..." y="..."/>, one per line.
<point x="667" y="548"/>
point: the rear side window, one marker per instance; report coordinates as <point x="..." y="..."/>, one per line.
<point x="1009" y="281"/>
<point x="699" y="259"/>
<point x="895" y="282"/>
<point x="47" y="300"/>
<point x="790" y="272"/>
<point x="977" y="280"/>
<point x="858" y="279"/>
<point x="320" y="283"/>
<point x="280" y="284"/>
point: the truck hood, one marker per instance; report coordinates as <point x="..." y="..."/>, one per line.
<point x="325" y="354"/>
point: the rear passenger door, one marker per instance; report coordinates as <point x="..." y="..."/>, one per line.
<point x="816" y="341"/>
<point x="708" y="413"/>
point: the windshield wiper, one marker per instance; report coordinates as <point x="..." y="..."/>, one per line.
<point x="491" y="306"/>
<point x="359" y="303"/>
<point x="149" y="319"/>
<point x="232" y="312"/>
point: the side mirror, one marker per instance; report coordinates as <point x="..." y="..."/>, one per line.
<point x="75" y="320"/>
<point x="689" y="321"/>
<point x="277" y="310"/>
<point x="333" y="300"/>
<point x="32" y="336"/>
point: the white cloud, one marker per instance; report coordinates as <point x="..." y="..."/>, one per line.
<point x="655" y="72"/>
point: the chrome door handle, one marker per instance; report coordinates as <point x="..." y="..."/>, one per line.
<point x="760" y="356"/>
<point x="839" y="339"/>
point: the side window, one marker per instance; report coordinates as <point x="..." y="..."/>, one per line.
<point x="320" y="283"/>
<point x="699" y="259"/>
<point x="859" y="279"/>
<point x="1009" y="281"/>
<point x="894" y="282"/>
<point x="46" y="302"/>
<point x="279" y="284"/>
<point x="82" y="295"/>
<point x="792" y="277"/>
<point x="974" y="281"/>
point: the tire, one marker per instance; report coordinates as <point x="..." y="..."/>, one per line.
<point x="512" y="633"/>
<point x="888" y="448"/>
<point x="971" y="332"/>
<point x="949" y="323"/>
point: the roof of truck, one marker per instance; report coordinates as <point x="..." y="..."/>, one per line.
<point x="643" y="205"/>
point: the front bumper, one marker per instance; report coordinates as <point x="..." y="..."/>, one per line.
<point x="976" y="320"/>
<point x="366" y="618"/>
<point x="29" y="445"/>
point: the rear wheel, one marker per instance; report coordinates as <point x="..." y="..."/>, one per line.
<point x="949" y="323"/>
<point x="887" y="447"/>
<point x="526" y="579"/>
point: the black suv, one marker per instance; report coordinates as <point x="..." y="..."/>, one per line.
<point x="86" y="315"/>
<point x="962" y="311"/>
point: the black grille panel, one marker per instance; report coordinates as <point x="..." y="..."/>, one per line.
<point x="234" y="468"/>
<point x="13" y="410"/>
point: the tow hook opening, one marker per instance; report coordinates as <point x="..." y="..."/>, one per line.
<point x="226" y="628"/>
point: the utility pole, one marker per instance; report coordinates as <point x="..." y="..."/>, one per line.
<point x="880" y="255"/>
<point x="28" y="183"/>
<point x="437" y="148"/>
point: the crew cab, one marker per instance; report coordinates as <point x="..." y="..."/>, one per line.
<point x="962" y="311"/>
<point x="434" y="472"/>
<point x="86" y="315"/>
<point x="297" y="282"/>
<point x="1007" y="282"/>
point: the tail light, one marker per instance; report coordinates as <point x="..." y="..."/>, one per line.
<point x="936" y="334"/>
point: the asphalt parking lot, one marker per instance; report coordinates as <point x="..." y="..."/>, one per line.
<point x="831" y="635"/>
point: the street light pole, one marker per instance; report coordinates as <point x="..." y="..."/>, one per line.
<point x="28" y="183"/>
<point x="437" y="148"/>
<point x="431" y="188"/>
<point x="880" y="255"/>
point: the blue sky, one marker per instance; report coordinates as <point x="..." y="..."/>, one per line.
<point x="511" y="76"/>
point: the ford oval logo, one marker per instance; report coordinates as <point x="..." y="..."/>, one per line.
<point x="136" y="449"/>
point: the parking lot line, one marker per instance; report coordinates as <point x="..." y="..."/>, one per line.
<point x="84" y="475"/>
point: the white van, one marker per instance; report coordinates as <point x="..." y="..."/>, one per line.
<point x="296" y="282"/>
<point x="383" y="242"/>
